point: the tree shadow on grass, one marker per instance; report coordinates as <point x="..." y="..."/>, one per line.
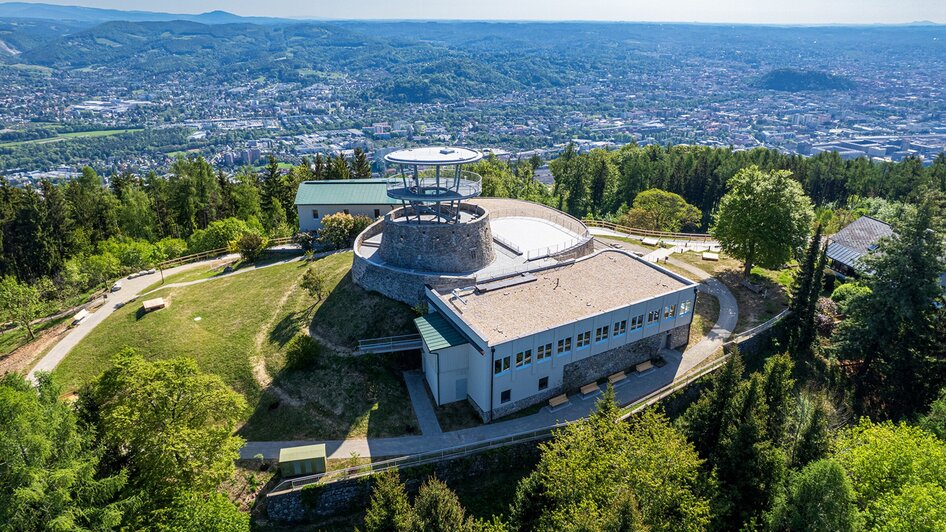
<point x="287" y="328"/>
<point x="341" y="396"/>
<point x="350" y="313"/>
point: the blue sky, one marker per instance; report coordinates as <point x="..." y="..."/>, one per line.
<point x="739" y="11"/>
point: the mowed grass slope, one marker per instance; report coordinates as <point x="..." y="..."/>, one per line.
<point x="247" y="321"/>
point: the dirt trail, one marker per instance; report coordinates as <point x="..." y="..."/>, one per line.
<point x="263" y="378"/>
<point x="20" y="359"/>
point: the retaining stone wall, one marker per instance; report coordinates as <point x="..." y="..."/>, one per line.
<point x="402" y="285"/>
<point x="582" y="372"/>
<point x="318" y="503"/>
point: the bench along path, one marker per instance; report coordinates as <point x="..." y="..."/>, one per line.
<point x="634" y="387"/>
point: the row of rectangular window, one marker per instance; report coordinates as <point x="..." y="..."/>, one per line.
<point x="524" y="358"/>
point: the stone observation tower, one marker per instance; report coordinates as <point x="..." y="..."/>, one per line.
<point x="445" y="237"/>
<point x="436" y="229"/>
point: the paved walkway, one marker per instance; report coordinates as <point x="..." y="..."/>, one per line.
<point x="635" y="387"/>
<point x="131" y="289"/>
<point x="423" y="408"/>
<point x="685" y="245"/>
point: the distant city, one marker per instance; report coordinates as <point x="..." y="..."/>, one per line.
<point x="96" y="97"/>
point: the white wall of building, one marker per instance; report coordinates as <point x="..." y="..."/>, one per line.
<point x="308" y="221"/>
<point x="523" y="381"/>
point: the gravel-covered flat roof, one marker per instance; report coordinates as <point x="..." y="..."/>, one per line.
<point x="593" y="285"/>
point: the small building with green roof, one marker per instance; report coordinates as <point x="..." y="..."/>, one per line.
<point x="302" y="460"/>
<point x="318" y="199"/>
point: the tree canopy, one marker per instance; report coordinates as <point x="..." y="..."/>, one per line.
<point x="763" y="219"/>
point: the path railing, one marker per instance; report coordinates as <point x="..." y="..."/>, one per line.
<point x="389" y="344"/>
<point x="204" y="255"/>
<point x="700" y="237"/>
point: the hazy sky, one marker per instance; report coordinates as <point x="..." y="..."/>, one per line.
<point x="740" y="11"/>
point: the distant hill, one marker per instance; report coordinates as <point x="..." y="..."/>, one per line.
<point x="791" y="80"/>
<point x="93" y="15"/>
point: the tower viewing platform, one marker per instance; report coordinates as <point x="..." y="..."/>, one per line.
<point x="432" y="183"/>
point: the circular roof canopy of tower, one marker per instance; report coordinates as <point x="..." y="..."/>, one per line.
<point x="434" y="156"/>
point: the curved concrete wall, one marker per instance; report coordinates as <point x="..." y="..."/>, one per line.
<point x="437" y="247"/>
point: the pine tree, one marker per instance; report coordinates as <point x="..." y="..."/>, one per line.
<point x="813" y="443"/>
<point x="318" y="168"/>
<point x="338" y="168"/>
<point x="389" y="510"/>
<point x="807" y="289"/>
<point x="439" y="510"/>
<point x="777" y="388"/>
<point x="703" y="420"/>
<point x="360" y="166"/>
<point x="891" y="330"/>
<point x="748" y="465"/>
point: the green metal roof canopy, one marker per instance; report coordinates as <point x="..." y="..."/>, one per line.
<point x="344" y="192"/>
<point x="437" y="332"/>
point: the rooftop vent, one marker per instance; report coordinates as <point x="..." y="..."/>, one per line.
<point x="446" y="150"/>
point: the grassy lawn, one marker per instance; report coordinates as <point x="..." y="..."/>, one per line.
<point x="246" y="322"/>
<point x="705" y="315"/>
<point x="754" y="308"/>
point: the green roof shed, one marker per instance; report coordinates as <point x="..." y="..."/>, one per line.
<point x="304" y="460"/>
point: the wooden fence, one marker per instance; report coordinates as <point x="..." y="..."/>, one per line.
<point x="700" y="237"/>
<point x="204" y="255"/>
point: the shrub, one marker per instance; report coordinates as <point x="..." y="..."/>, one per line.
<point x="250" y="246"/>
<point x="336" y="229"/>
<point x="359" y="224"/>
<point x="303" y="352"/>
<point x="171" y="248"/>
<point x="218" y="235"/>
<point x="304" y="240"/>
<point x="845" y="294"/>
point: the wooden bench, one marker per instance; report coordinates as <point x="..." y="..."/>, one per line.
<point x="707" y="255"/>
<point x="616" y="378"/>
<point x="644" y="366"/>
<point x="558" y="400"/>
<point x="590" y="388"/>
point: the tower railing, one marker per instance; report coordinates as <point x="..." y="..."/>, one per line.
<point x="425" y="187"/>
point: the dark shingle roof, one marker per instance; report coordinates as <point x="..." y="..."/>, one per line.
<point x="344" y="192"/>
<point x="849" y="245"/>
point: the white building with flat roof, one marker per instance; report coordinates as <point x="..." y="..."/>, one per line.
<point x="511" y="343"/>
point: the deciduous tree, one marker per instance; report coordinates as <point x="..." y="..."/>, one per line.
<point x="172" y="423"/>
<point x="19" y="303"/>
<point x="763" y="219"/>
<point x="50" y="477"/>
<point x="591" y="465"/>
<point x="659" y="210"/>
<point x="819" y="499"/>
